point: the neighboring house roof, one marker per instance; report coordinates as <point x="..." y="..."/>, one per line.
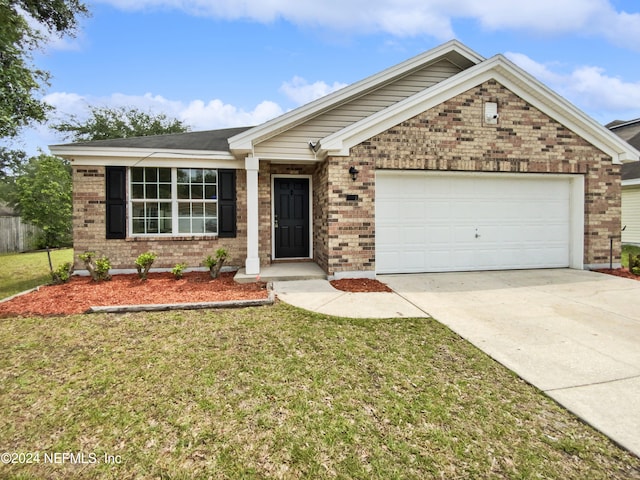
<point x="628" y="130"/>
<point x="631" y="171"/>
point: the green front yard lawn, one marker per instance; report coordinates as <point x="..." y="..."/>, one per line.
<point x="22" y="271"/>
<point x="277" y="392"/>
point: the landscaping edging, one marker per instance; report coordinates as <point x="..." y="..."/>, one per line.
<point x="186" y="306"/>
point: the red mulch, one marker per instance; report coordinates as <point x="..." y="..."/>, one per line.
<point x="619" y="272"/>
<point x="80" y="293"/>
<point x="360" y="285"/>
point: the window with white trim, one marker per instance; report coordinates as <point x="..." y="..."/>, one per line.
<point x="173" y="201"/>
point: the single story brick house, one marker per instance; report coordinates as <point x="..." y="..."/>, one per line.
<point x="445" y="162"/>
<point x="630" y="132"/>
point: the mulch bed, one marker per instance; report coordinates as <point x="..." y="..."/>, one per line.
<point x="80" y="293"/>
<point x="360" y="285"/>
<point x="619" y="272"/>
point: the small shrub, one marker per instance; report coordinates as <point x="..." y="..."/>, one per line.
<point x="634" y="264"/>
<point x="144" y="262"/>
<point x="62" y="273"/>
<point x="214" y="264"/>
<point x="178" y="270"/>
<point x="98" y="267"/>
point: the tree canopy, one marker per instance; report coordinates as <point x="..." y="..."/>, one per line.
<point x="44" y="197"/>
<point x="24" y="27"/>
<point x="118" y="122"/>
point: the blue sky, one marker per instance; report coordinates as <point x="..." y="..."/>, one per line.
<point x="223" y="63"/>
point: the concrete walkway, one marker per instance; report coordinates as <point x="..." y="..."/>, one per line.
<point x="319" y="296"/>
<point x="573" y="334"/>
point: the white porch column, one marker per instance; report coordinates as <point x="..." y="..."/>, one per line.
<point x="252" y="263"/>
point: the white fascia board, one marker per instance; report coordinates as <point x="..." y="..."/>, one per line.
<point x="78" y="151"/>
<point x="506" y="73"/>
<point x="245" y="141"/>
<point x="632" y="182"/>
<point x="112" y="156"/>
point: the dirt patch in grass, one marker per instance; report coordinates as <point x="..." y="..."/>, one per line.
<point x="360" y="285"/>
<point x="80" y="293"/>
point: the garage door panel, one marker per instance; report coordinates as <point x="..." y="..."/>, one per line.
<point x="458" y="222"/>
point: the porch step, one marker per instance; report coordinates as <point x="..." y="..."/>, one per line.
<point x="279" y="272"/>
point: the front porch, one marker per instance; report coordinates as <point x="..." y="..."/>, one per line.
<point x="283" y="271"/>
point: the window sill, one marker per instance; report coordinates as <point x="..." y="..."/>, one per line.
<point x="178" y="238"/>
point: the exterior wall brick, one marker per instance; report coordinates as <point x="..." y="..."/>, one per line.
<point x="453" y="137"/>
<point x="320" y="213"/>
<point x="89" y="230"/>
<point x="449" y="137"/>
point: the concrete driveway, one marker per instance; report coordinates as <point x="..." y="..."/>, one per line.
<point x="573" y="334"/>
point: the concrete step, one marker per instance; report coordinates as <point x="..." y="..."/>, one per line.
<point x="278" y="272"/>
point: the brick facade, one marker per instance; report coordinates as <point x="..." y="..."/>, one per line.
<point x="453" y="137"/>
<point x="449" y="137"/>
<point x="89" y="230"/>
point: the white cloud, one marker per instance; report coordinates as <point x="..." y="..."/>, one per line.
<point x="404" y="18"/>
<point x="198" y="114"/>
<point x="300" y="91"/>
<point x="52" y="41"/>
<point x="588" y="87"/>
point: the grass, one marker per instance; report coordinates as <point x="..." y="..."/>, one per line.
<point x="22" y="271"/>
<point x="626" y="250"/>
<point x="277" y="392"/>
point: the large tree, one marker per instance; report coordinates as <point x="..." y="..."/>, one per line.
<point x="44" y="197"/>
<point x="24" y="27"/>
<point x="118" y="122"/>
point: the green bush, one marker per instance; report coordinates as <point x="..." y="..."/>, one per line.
<point x="62" y="273"/>
<point x="98" y="267"/>
<point x="178" y="270"/>
<point x="214" y="264"/>
<point x="634" y="264"/>
<point x="144" y="262"/>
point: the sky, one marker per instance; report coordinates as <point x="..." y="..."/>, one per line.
<point x="228" y="63"/>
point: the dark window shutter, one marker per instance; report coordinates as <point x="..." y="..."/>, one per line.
<point x="227" y="203"/>
<point x="116" y="202"/>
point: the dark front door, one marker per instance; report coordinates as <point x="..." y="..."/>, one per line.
<point x="291" y="219"/>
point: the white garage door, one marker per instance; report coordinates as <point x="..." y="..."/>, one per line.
<point x="457" y="222"/>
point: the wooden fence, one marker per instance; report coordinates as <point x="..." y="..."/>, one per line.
<point x="16" y="236"/>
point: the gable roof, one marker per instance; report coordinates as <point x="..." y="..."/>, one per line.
<point x="232" y="144"/>
<point x="453" y="51"/>
<point x="509" y="75"/>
